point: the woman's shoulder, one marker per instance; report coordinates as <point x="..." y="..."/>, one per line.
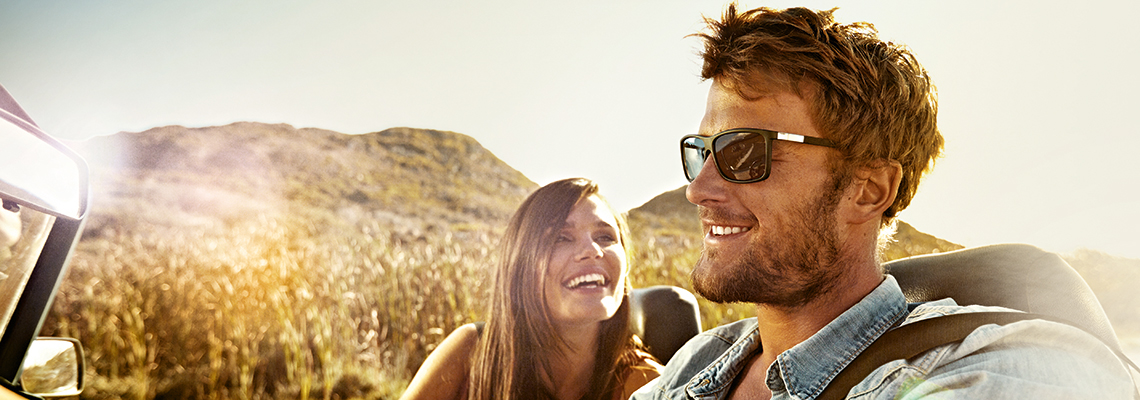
<point x="463" y="339"/>
<point x="642" y="372"/>
<point x="444" y="373"/>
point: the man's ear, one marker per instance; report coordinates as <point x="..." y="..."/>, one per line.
<point x="873" y="189"/>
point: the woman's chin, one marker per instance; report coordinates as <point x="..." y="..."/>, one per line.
<point x="594" y="311"/>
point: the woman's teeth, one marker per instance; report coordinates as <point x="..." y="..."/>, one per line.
<point x="727" y="230"/>
<point x="585" y="280"/>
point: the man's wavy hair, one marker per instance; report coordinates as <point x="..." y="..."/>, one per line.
<point x="870" y="96"/>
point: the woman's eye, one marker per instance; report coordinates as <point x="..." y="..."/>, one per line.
<point x="606" y="240"/>
<point x="562" y="239"/>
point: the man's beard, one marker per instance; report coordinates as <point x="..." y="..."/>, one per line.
<point x="785" y="268"/>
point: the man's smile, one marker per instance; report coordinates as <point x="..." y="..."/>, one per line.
<point x="721" y="230"/>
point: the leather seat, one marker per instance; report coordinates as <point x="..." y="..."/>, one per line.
<point x="1017" y="276"/>
<point x="664" y="317"/>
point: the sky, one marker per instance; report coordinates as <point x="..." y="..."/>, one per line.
<point x="1036" y="99"/>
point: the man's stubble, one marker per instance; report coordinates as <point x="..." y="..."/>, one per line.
<point x="791" y="263"/>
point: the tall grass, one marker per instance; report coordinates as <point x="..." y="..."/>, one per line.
<point x="297" y="307"/>
<point x="272" y="308"/>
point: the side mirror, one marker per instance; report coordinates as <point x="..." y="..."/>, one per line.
<point x="53" y="368"/>
<point x="44" y="191"/>
<point x="39" y="171"/>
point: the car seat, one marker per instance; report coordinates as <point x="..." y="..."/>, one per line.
<point x="1017" y="276"/>
<point x="664" y="317"/>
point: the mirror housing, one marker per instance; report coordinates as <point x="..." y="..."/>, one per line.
<point x="54" y="367"/>
<point x="38" y="171"/>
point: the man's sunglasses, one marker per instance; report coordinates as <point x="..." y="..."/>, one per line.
<point x="742" y="154"/>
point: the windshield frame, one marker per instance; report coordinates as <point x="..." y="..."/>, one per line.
<point x="44" y="280"/>
<point x="19" y="260"/>
<point x="35" y="302"/>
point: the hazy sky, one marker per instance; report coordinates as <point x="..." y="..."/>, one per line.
<point x="1037" y="100"/>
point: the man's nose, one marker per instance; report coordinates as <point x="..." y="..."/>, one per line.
<point x="708" y="185"/>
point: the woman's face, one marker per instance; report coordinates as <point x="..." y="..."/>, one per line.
<point x="585" y="282"/>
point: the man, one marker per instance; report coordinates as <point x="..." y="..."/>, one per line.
<point x="838" y="128"/>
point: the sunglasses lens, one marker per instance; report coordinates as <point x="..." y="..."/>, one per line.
<point x="693" y="156"/>
<point x="741" y="156"/>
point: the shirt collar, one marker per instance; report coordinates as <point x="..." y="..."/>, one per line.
<point x="806" y="369"/>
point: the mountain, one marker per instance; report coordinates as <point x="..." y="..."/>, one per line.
<point x="409" y="181"/>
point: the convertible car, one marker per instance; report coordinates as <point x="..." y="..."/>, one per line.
<point x="44" y="191"/>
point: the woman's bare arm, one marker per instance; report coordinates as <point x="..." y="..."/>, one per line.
<point x="443" y="374"/>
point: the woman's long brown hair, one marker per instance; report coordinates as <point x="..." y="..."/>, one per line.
<point x="508" y="362"/>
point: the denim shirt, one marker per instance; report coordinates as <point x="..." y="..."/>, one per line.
<point x="1031" y="359"/>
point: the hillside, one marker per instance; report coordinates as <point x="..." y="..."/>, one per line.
<point x="407" y="181"/>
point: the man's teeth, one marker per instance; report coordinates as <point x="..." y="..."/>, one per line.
<point x="588" y="279"/>
<point x="727" y="230"/>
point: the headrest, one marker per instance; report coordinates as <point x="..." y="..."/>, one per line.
<point x="664" y="317"/>
<point x="1016" y="276"/>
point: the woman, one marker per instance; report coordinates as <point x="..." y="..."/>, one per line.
<point x="558" y="326"/>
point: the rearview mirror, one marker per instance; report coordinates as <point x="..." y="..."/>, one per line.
<point x="53" y="368"/>
<point x="38" y="171"/>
